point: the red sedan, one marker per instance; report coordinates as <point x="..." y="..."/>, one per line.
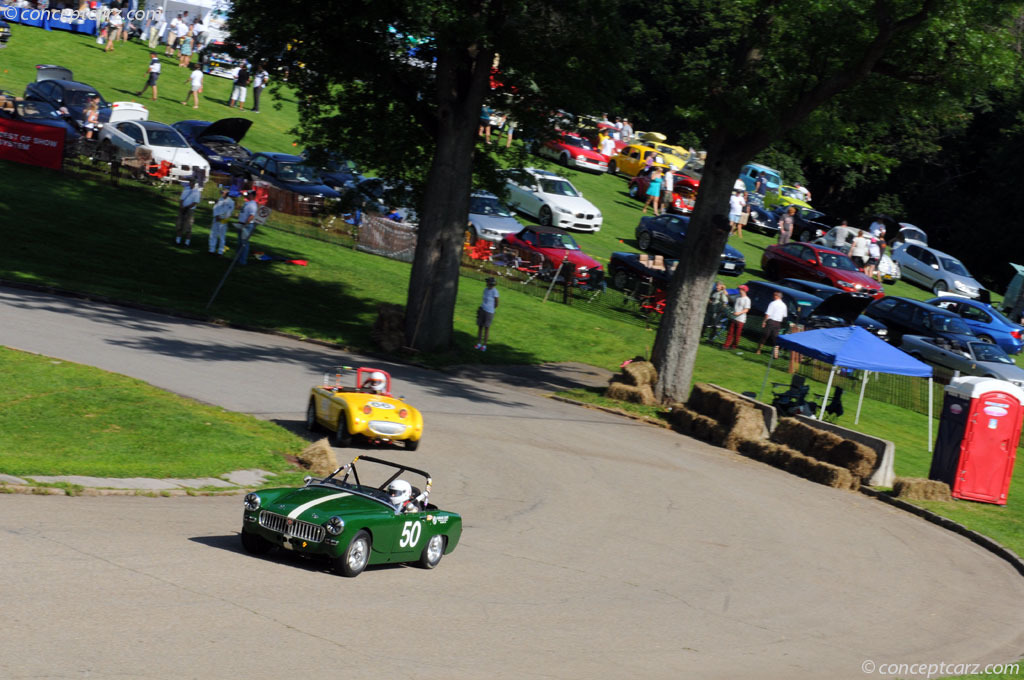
<point x="544" y="249"/>
<point x="816" y="263"/>
<point x="572" y="150"/>
<point x="684" y="191"/>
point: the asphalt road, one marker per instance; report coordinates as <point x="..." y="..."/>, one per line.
<point x="593" y="547"/>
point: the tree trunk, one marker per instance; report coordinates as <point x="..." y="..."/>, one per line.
<point x="675" y="347"/>
<point x="462" y="76"/>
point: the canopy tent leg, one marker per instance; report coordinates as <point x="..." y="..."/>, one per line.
<point x="828" y="388"/>
<point x="764" y="383"/>
<point x="930" y="413"/>
<point x="860" y="402"/>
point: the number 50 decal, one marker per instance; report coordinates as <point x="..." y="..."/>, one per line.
<point x="410" y="535"/>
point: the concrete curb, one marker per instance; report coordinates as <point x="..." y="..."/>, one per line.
<point x="613" y="411"/>
<point x="92" y="491"/>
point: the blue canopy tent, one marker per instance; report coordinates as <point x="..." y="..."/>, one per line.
<point x="854" y="347"/>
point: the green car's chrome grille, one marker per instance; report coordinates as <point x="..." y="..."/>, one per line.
<point x="314" y="533"/>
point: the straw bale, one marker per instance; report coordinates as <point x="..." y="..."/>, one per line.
<point x="794" y="434"/>
<point x="822" y="443"/>
<point x="854" y="456"/>
<point x="319" y="458"/>
<point x="631" y="393"/>
<point x="914" y="488"/>
<point x="747" y="423"/>
<point x="833" y="476"/>
<point x="681" y="418"/>
<point x="640" y="373"/>
<point x="758" y="449"/>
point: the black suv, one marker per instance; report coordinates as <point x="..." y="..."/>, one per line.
<point x="913" y="317"/>
<point x="810" y="311"/>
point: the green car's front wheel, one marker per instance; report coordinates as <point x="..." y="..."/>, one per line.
<point x="255" y="544"/>
<point x="433" y="551"/>
<point x="356" y="556"/>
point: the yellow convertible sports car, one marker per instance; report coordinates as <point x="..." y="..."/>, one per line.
<point x="673" y="155"/>
<point x="632" y="158"/>
<point x="786" y="196"/>
<point x="366" y="410"/>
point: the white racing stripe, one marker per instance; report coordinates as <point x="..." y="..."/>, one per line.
<point x="306" y="506"/>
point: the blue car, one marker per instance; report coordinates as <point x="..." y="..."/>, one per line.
<point x="337" y="172"/>
<point x="988" y="324"/>
<point x="219" y="142"/>
<point x="55" y="86"/>
<point x="665" y="233"/>
<point x="290" y="173"/>
<point x="40" y="113"/>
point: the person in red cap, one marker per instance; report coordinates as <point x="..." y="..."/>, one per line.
<point x="739" y="317"/>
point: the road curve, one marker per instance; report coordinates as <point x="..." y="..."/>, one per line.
<point x="593" y="547"/>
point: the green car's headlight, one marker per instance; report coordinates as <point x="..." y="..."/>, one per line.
<point x="335" y="526"/>
<point x="252" y="502"/>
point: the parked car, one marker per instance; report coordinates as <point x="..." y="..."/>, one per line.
<point x="337" y="171"/>
<point x="908" y="232"/>
<point x="684" y="194"/>
<point x="904" y="316"/>
<point x="989" y="324"/>
<point x="841" y="238"/>
<point x="56" y="86"/>
<point x="290" y="173"/>
<point x="38" y="112"/>
<point x="673" y="155"/>
<point x="751" y="171"/>
<point x="377" y="195"/>
<point x="219" y="142"/>
<point x="970" y="358"/>
<point x="665" y="234"/>
<point x="547" y="247"/>
<point x="489" y="218"/>
<point x="553" y="200"/>
<point x="572" y="151"/>
<point x="826" y="291"/>
<point x="632" y="158"/>
<point x="785" y="196"/>
<point x="122" y="139"/>
<point x="5" y="34"/>
<point x="935" y="270"/>
<point x="833" y="310"/>
<point x="627" y="269"/>
<point x="817" y="263"/>
<point x="808" y="223"/>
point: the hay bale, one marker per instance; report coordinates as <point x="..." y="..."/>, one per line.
<point x="916" y="489"/>
<point x="758" y="449"/>
<point x="833" y="476"/>
<point x="388" y="330"/>
<point x="681" y="419"/>
<point x="794" y="434"/>
<point x="822" y="443"/>
<point x="640" y="373"/>
<point x="319" y="458"/>
<point x="747" y="423"/>
<point x="631" y="393"/>
<point x="699" y="398"/>
<point x="853" y="456"/>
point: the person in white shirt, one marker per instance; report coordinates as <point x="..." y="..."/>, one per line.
<point x="181" y="30"/>
<point x="739" y="317"/>
<point x="772" y="324"/>
<point x="874" y="257"/>
<point x="196" y="84"/>
<point x="485" y="314"/>
<point x="859" y="250"/>
<point x="115" y="23"/>
<point x="667" y="188"/>
<point x="626" y="131"/>
<point x="608" y="146"/>
<point x="153" y="73"/>
<point x="804" y="191"/>
<point x="222" y="210"/>
<point x="247" y="223"/>
<point x="190" y="196"/>
<point x="736" y="206"/>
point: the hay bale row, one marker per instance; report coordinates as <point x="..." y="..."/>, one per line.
<point x="319" y="458"/>
<point x="826" y="446"/>
<point x="796" y="463"/>
<point x="639" y="373"/>
<point x="916" y="489"/>
<point x="687" y="421"/>
<point x="642" y="394"/>
<point x="389" y="328"/>
<point x="736" y="419"/>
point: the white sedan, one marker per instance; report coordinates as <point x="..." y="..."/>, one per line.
<point x="553" y="200"/>
<point x="122" y="139"/>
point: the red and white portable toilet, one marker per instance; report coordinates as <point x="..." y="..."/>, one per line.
<point x="979" y="430"/>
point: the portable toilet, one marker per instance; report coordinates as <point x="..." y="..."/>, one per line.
<point x="979" y="429"/>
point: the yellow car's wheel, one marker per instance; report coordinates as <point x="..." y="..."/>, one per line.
<point x="341" y="437"/>
<point x="412" y="444"/>
<point x="311" y="415"/>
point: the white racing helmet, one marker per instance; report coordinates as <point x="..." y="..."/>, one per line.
<point x="399" y="491"/>
<point x="376" y="382"/>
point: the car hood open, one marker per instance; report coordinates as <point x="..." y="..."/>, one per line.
<point x="52" y="72"/>
<point x="846" y="306"/>
<point x="234" y="129"/>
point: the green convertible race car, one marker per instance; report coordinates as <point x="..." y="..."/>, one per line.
<point x="350" y="523"/>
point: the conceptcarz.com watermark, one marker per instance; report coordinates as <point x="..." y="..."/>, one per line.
<point x="68" y="15"/>
<point x="935" y="670"/>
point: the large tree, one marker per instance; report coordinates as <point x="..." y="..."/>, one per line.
<point x="398" y="85"/>
<point x="750" y="72"/>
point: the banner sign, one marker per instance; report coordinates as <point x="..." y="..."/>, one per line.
<point x="32" y="144"/>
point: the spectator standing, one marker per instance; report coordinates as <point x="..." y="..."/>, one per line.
<point x="804" y="191"/>
<point x="877" y="228"/>
<point x="772" y="324"/>
<point x="874" y="257"/>
<point x="627" y="130"/>
<point x="786" y="225"/>
<point x="736" y="206"/>
<point x="222" y="210"/>
<point x="92" y="118"/>
<point x="859" y="250"/>
<point x="717" y="306"/>
<point x="667" y="187"/>
<point x="485" y="314"/>
<point x="241" y="82"/>
<point x="156" y="27"/>
<point x="181" y="30"/>
<point x="246" y="224"/>
<point x="653" y="192"/>
<point x="114" y="30"/>
<point x="510" y="128"/>
<point x="153" y="73"/>
<point x="739" y="317"/>
<point x="195" y="80"/>
<point x="172" y="35"/>
<point x="760" y="189"/>
<point x="259" y="81"/>
<point x="185" y="44"/>
<point x="485" y="122"/>
<point x="617" y="129"/>
<point x="186" y="212"/>
<point x="608" y="145"/>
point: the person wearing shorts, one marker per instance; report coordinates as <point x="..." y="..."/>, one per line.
<point x="737" y="205"/>
<point x="238" y="92"/>
<point x="485" y="314"/>
<point x="153" y="71"/>
<point x="772" y="324"/>
<point x="195" y="80"/>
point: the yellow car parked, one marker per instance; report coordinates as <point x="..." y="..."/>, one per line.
<point x="673" y="155"/>
<point x="787" y="196"/>
<point x="632" y="158"/>
<point x="366" y="410"/>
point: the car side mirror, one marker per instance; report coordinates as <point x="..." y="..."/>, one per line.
<point x="809" y="261"/>
<point x="935" y="266"/>
<point x="535" y="189"/>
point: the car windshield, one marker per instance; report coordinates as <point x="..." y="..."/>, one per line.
<point x="983" y="351"/>
<point x="488" y="205"/>
<point x="296" y="172"/>
<point x="166" y="137"/>
<point x="950" y="324"/>
<point x="553" y="240"/>
<point x="34" y="109"/>
<point x="790" y="192"/>
<point x="808" y="214"/>
<point x="694" y="169"/>
<point x="914" y="234"/>
<point x="558" y="187"/>
<point x="953" y="266"/>
<point x="82" y="97"/>
<point x="837" y="261"/>
<point x="578" y="142"/>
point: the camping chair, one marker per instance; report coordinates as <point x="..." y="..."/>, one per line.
<point x="655" y="302"/>
<point x="835" y="405"/>
<point x="159" y="171"/>
<point x="481" y="250"/>
<point x="531" y="266"/>
<point x="793" y="400"/>
<point x="594" y="285"/>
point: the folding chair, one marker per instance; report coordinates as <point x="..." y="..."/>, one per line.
<point x="835" y="405"/>
<point x="595" y="284"/>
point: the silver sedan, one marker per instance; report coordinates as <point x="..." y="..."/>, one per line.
<point x="970" y="358"/>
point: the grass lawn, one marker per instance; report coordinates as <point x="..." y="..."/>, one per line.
<point x="61" y="418"/>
